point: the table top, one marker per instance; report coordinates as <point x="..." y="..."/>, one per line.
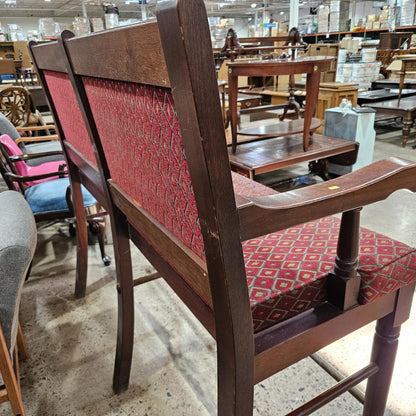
<point x="383" y="83"/>
<point x="372" y="96"/>
<point x="405" y="104"/>
<point x="302" y="65"/>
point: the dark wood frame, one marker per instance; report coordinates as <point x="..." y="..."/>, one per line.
<point x="174" y="52"/>
<point x="80" y="169"/>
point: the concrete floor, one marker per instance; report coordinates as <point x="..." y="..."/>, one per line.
<point x="72" y="342"/>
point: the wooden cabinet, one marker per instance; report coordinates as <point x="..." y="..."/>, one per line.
<point x="326" y="49"/>
<point x="16" y="50"/>
<point x="394" y="40"/>
<point x="331" y="95"/>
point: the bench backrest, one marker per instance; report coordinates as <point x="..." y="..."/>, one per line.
<point x="50" y="62"/>
<point x="151" y="93"/>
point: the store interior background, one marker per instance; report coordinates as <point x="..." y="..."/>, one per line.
<point x="20" y="19"/>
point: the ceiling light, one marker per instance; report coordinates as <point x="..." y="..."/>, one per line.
<point x="253" y="5"/>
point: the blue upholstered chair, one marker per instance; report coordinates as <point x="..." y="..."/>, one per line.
<point x="53" y="200"/>
<point x="17" y="246"/>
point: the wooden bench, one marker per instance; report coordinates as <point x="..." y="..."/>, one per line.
<point x="149" y="99"/>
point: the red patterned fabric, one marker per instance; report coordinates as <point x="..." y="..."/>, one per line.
<point x="141" y="137"/>
<point x="69" y="114"/>
<point x="385" y="265"/>
<point x="286" y="271"/>
<point x="247" y="187"/>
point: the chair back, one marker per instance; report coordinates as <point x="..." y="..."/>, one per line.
<point x="8" y="171"/>
<point x="15" y="105"/>
<point x="23" y="169"/>
<point x="49" y="62"/>
<point x="17" y="247"/>
<point x="155" y="119"/>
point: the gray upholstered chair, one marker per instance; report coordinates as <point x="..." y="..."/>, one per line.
<point x="17" y="246"/>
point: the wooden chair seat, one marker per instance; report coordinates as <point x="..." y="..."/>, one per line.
<point x="287" y="270"/>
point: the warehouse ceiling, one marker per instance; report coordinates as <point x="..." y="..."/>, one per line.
<point x="134" y="8"/>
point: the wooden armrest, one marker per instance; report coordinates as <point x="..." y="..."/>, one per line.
<point x="52" y="137"/>
<point x="19" y="158"/>
<point x="34" y="128"/>
<point x="19" y="178"/>
<point x="263" y="215"/>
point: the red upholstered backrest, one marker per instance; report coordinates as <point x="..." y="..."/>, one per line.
<point x="141" y="139"/>
<point x="69" y="114"/>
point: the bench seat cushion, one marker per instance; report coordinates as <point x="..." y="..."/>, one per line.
<point x="287" y="270"/>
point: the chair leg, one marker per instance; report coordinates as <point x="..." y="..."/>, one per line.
<point x="82" y="260"/>
<point x="384" y="350"/>
<point x="21" y="345"/>
<point x="97" y="225"/>
<point x="77" y="203"/>
<point x="10" y="378"/>
<point x="235" y="391"/>
<point x="125" y="300"/>
<point x="385" y="344"/>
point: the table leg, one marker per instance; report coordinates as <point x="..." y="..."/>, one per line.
<point x="312" y="92"/>
<point x="232" y="105"/>
<point x="407" y="124"/>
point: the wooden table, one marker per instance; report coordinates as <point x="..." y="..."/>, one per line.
<point x="254" y="158"/>
<point x="393" y="83"/>
<point x="405" y="108"/>
<point x="312" y="66"/>
<point x="375" y="96"/>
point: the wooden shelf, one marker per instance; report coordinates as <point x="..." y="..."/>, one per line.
<point x="307" y="37"/>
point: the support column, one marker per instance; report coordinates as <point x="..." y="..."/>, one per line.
<point x="294" y="14"/>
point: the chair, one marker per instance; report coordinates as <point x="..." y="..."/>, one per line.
<point x="15" y="105"/>
<point x="23" y="169"/>
<point x="260" y="270"/>
<point x="54" y="199"/>
<point x="34" y="143"/>
<point x="17" y="247"/>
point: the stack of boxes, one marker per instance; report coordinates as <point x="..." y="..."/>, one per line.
<point x="373" y="22"/>
<point x="384" y="18"/>
<point x="323" y="19"/>
<point x="407" y="13"/>
<point x="363" y="72"/>
<point x="338" y="15"/>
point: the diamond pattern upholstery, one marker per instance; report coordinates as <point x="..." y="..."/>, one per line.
<point x="149" y="149"/>
<point x="287" y="270"/>
<point x="70" y="117"/>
